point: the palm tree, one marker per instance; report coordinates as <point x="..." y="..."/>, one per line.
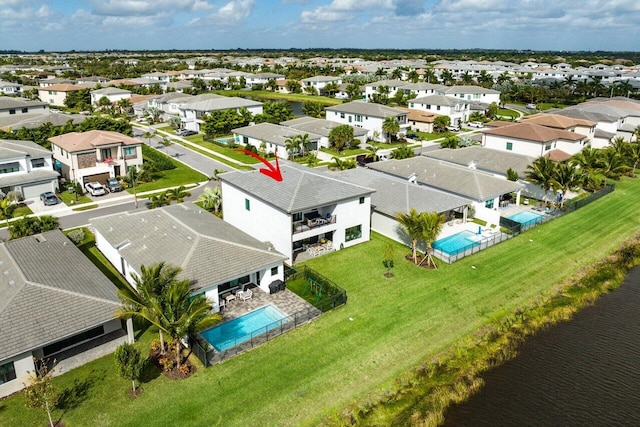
<point x="403" y="152"/>
<point x="541" y="172"/>
<point x="613" y="164"/>
<point x="165" y="143"/>
<point x="430" y="75"/>
<point x="292" y="145"/>
<point x="353" y="90"/>
<point x="178" y="194"/>
<point x="432" y="223"/>
<point x="305" y="144"/>
<point x="148" y="135"/>
<point x="184" y="316"/>
<point x="567" y="177"/>
<point x="158" y="201"/>
<point x="313" y="109"/>
<point x="211" y="199"/>
<point x="144" y="300"/>
<point x="390" y="126"/>
<point x="413" y="225"/>
<point x="373" y="152"/>
<point x="6" y="210"/>
<point x="341" y="164"/>
<point x="125" y="106"/>
<point x="633" y="155"/>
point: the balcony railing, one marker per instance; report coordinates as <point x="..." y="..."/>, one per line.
<point x="310" y="224"/>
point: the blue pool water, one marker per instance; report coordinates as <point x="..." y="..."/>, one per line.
<point x="238" y="330"/>
<point x="457" y="242"/>
<point x="526" y="217"/>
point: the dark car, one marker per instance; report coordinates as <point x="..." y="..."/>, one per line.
<point x="49" y="198"/>
<point x="185" y="132"/>
<point x="413" y="135"/>
<point x="113" y="185"/>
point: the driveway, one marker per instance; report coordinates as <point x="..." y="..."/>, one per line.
<point x="38" y="207"/>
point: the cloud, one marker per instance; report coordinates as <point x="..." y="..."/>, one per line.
<point x="343" y="10"/>
<point x="230" y="14"/>
<point x="145" y="7"/>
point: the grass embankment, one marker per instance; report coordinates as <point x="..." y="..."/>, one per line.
<point x="344" y="153"/>
<point x="181" y="175"/>
<point x="227" y="151"/>
<point x="350" y="357"/>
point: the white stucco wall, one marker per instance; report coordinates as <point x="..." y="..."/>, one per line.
<point x="263" y="221"/>
<point x="520" y="146"/>
<point x="21" y="363"/>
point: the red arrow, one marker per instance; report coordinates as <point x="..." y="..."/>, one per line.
<point x="272" y="171"/>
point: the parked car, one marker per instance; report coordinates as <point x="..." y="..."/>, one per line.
<point x="95" y="189"/>
<point x="531" y="106"/>
<point x="185" y="132"/>
<point x="453" y="128"/>
<point x="49" y="198"/>
<point x="413" y="135"/>
<point x="475" y="125"/>
<point x="113" y="185"/>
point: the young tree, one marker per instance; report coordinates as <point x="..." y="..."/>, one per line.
<point x="313" y="109"/>
<point x="541" y="172"/>
<point x="403" y="152"/>
<point x="440" y="123"/>
<point x="388" y="259"/>
<point x="165" y="142"/>
<point x="293" y="145"/>
<point x="178" y="194"/>
<point x="129" y="363"/>
<point x="512" y="175"/>
<point x="341" y="164"/>
<point x="211" y="199"/>
<point x="567" y="177"/>
<point x="40" y="392"/>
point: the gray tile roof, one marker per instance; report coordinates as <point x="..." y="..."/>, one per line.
<point x="395" y="195"/>
<point x="7" y="102"/>
<point x="468" y="89"/>
<point x="209" y="250"/>
<point x="56" y="119"/>
<point x="32" y="177"/>
<point x="367" y="109"/>
<point x="319" y="126"/>
<point x="462" y="181"/>
<point x="448" y="101"/>
<point x="48" y="291"/>
<point x="272" y="133"/>
<point x="12" y="148"/>
<point x="300" y="189"/>
<point x="110" y="91"/>
<point x="486" y="159"/>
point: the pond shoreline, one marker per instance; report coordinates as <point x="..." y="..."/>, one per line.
<point x="423" y="395"/>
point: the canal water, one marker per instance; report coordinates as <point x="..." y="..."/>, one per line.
<point x="585" y="372"/>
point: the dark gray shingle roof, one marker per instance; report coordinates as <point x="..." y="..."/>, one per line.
<point x="300" y="188"/>
<point x="48" y="291"/>
<point x="486" y="159"/>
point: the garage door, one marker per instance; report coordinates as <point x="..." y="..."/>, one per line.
<point x="100" y="177"/>
<point x="34" y="190"/>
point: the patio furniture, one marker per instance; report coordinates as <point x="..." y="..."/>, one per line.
<point x="229" y="297"/>
<point x="245" y="295"/>
<point x="223" y="304"/>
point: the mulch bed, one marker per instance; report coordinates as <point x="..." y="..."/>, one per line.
<point x="176" y="373"/>
<point x="419" y="258"/>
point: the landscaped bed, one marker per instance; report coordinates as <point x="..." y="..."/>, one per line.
<point x="387" y="328"/>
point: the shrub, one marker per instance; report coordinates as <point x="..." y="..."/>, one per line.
<point x="15" y="196"/>
<point x="160" y="160"/>
<point x="76" y="236"/>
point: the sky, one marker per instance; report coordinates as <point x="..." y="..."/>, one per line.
<point x="570" y="25"/>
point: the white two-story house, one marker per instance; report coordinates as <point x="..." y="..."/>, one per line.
<point x="272" y="138"/>
<point x="319" y="82"/>
<point x="305" y="213"/>
<point x="113" y="94"/>
<point x="192" y="112"/>
<point x="456" y="109"/>
<point x="95" y="155"/>
<point x="367" y="115"/>
<point x="26" y="167"/>
<point x="534" y="140"/>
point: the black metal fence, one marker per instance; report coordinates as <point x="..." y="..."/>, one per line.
<point x="328" y="295"/>
<point x="209" y="355"/>
<point x="483" y="242"/>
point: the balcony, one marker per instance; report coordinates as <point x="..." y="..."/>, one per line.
<point x="312" y="221"/>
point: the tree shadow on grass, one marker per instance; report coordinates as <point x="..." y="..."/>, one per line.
<point x="73" y="396"/>
<point x="150" y="372"/>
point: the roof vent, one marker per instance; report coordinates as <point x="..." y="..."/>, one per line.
<point x="472" y="164"/>
<point x="110" y="228"/>
<point x="6" y="272"/>
<point x="12" y="282"/>
<point x="413" y="178"/>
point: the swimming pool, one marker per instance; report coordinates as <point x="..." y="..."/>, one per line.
<point x="241" y="329"/>
<point x="526" y="218"/>
<point x="457" y="242"/>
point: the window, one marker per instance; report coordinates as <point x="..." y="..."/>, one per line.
<point x="438" y="108"/>
<point x="247" y="204"/>
<point x="12" y="111"/>
<point x="509" y="146"/>
<point x="358" y="118"/>
<point x="50" y="92"/>
<point x="350" y="118"/>
<point x="129" y="151"/>
<point x="7" y="373"/>
<point x="37" y="163"/>
<point x="274" y="271"/>
<point x="10" y="167"/>
<point x="342" y="115"/>
<point x="428" y="106"/>
<point x="245" y="140"/>
<point x="488" y="204"/>
<point x="547" y="146"/>
<point x="297" y="217"/>
<point x="25" y="110"/>
<point x="105" y="153"/>
<point x="362" y="200"/>
<point x="353" y="233"/>
<point x="72" y="341"/>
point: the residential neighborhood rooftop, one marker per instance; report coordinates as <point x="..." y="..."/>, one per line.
<point x="534" y="132"/>
<point x="81" y="141"/>
<point x="301" y="188"/>
<point x="208" y="249"/>
<point x="367" y="109"/>
<point x="486" y="159"/>
<point x="48" y="291"/>
<point x="272" y="133"/>
<point x="319" y="126"/>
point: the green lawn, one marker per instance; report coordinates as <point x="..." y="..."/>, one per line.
<point x="229" y="152"/>
<point x="181" y="175"/>
<point x="386" y="145"/>
<point x="69" y="199"/>
<point x="431" y="136"/>
<point x="388" y="327"/>
<point x="344" y="153"/>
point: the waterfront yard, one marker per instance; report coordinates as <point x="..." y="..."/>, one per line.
<point x="388" y="327"/>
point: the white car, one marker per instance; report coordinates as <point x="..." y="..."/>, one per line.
<point x="475" y="125"/>
<point x="95" y="189"/>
